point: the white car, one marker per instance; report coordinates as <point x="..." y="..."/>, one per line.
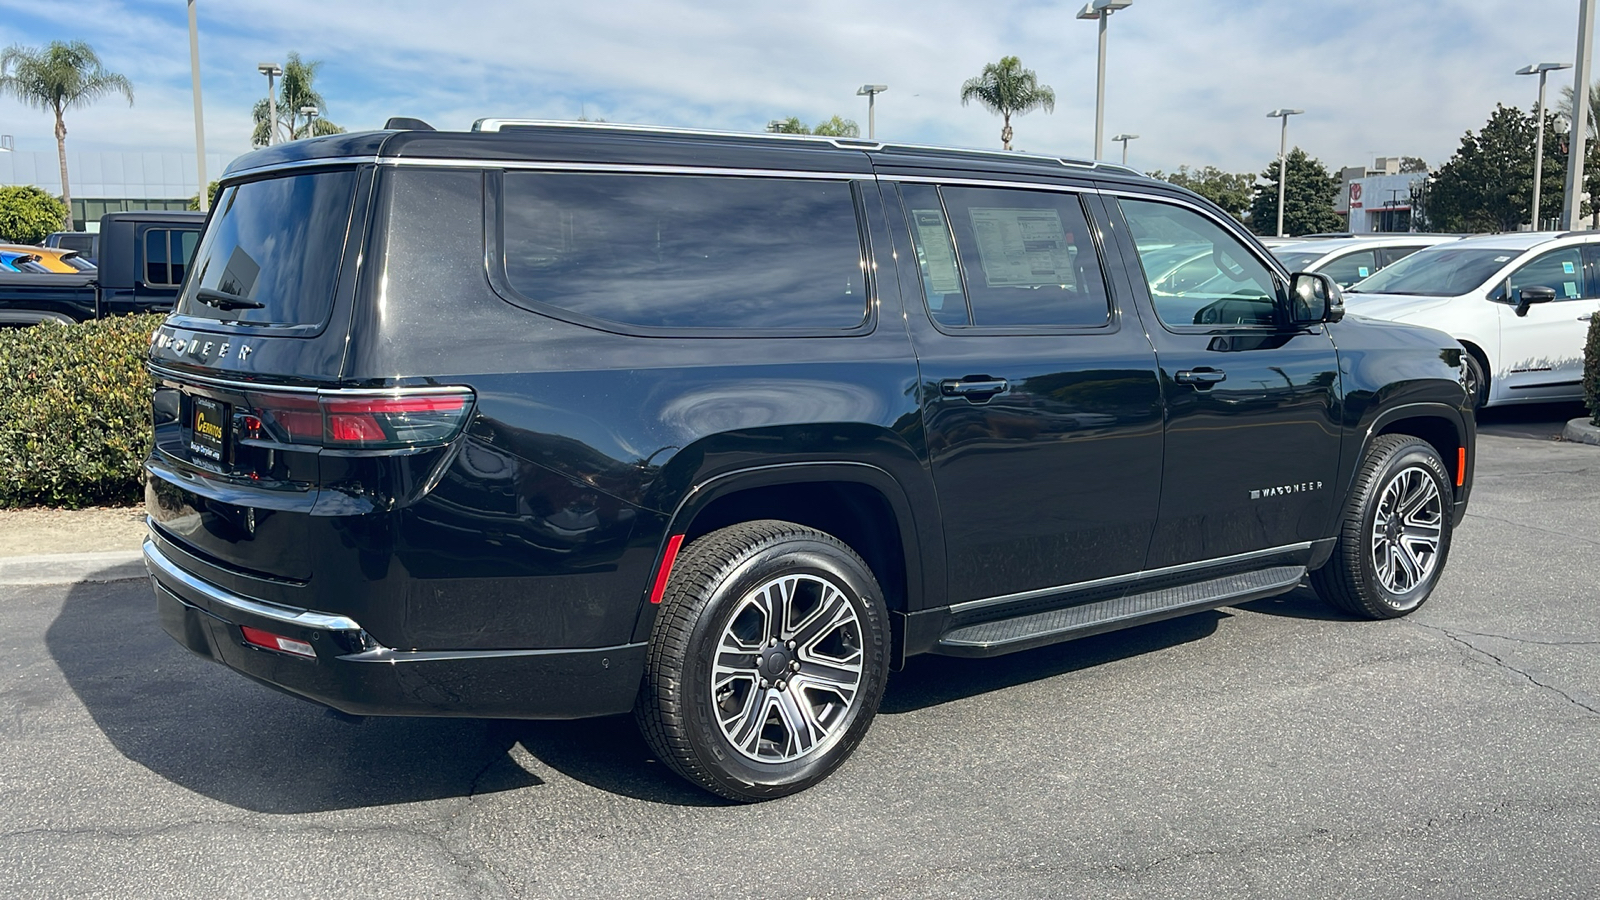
<point x="1348" y="260"/>
<point x="1519" y="303"/>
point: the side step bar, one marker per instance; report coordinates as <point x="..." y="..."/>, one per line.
<point x="1052" y="626"/>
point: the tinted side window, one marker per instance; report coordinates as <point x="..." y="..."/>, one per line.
<point x="1559" y="270"/>
<point x="1350" y="268"/>
<point x="155" y="256"/>
<point x="1027" y="257"/>
<point x="697" y="252"/>
<point x="1198" y="273"/>
<point x="936" y="255"/>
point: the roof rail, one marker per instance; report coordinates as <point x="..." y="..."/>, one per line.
<point x="843" y="143"/>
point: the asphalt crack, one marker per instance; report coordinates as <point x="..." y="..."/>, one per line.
<point x="1529" y="675"/>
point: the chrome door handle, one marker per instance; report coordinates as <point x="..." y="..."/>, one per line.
<point x="1585" y="317"/>
<point x="973" y="389"/>
<point x="1202" y="377"/>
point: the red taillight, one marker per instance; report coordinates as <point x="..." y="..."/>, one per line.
<point x="360" y="421"/>
<point x="277" y="642"/>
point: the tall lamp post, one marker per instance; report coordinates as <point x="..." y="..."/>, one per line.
<point x="271" y="70"/>
<point x="1283" y="156"/>
<point x="311" y="113"/>
<point x="1101" y="10"/>
<point x="871" y="91"/>
<point x="1541" y="70"/>
<point x="1125" y="138"/>
<point x="199" y="121"/>
<point x="1572" y="207"/>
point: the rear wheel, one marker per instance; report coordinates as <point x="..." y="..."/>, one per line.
<point x="1395" y="536"/>
<point x="767" y="662"/>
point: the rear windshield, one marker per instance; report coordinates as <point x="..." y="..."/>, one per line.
<point x="1443" y="271"/>
<point x="271" y="253"/>
<point x="1297" y="260"/>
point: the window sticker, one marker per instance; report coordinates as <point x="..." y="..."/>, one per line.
<point x="1571" y="288"/>
<point x="1501" y="258"/>
<point x="935" y="240"/>
<point x="1567" y="268"/>
<point x="1022" y="247"/>
<point x="1363" y="271"/>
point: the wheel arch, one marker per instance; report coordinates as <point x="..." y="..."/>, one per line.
<point x="1439" y="425"/>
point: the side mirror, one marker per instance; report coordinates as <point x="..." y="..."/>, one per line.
<point x="1314" y="298"/>
<point x="1532" y="294"/>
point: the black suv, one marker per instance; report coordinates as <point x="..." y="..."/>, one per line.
<point x="555" y="420"/>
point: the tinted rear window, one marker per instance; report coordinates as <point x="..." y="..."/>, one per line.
<point x="277" y="243"/>
<point x="687" y="251"/>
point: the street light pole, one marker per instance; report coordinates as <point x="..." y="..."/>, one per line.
<point x="1125" y="138"/>
<point x="1283" y="156"/>
<point x="1572" y="209"/>
<point x="199" y="120"/>
<point x="871" y="92"/>
<point x="310" y="112"/>
<point x="1540" y="69"/>
<point x="1101" y="10"/>
<point x="271" y="70"/>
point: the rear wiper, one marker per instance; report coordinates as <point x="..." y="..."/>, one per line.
<point x="225" y="301"/>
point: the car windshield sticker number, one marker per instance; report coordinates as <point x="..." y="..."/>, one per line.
<point x="1567" y="268"/>
<point x="940" y="262"/>
<point x="1363" y="271"/>
<point x="1022" y="247"/>
<point x="1571" y="288"/>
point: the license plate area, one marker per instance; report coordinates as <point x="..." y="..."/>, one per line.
<point x="208" y="432"/>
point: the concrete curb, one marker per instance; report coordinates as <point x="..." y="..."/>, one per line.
<point x="1581" y="431"/>
<point x="64" y="568"/>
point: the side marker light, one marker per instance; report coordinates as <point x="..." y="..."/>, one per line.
<point x="667" y="559"/>
<point x="1461" y="466"/>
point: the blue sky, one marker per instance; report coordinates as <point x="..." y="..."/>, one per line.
<point x="1194" y="78"/>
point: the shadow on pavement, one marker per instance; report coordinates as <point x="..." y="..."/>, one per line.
<point x="1531" y="421"/>
<point x="216" y="733"/>
<point x="1300" y="603"/>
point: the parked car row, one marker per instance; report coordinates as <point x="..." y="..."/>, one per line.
<point x="146" y="255"/>
<point x="42" y="260"/>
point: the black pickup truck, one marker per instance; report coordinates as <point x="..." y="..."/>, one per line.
<point x="143" y="257"/>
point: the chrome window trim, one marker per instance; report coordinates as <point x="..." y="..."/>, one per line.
<point x="160" y="566"/>
<point x="623" y="168"/>
<point x="981" y="603"/>
<point x="996" y="183"/>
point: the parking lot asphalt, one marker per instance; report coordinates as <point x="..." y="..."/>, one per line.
<point x="1276" y="749"/>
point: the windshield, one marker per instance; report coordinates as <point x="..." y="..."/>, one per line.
<point x="1442" y="271"/>
<point x="1297" y="260"/>
<point x="274" y="247"/>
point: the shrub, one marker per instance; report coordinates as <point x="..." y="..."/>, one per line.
<point x="1591" y="370"/>
<point x="74" y="412"/>
<point x="28" y="214"/>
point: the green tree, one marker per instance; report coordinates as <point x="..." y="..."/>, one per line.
<point x="1308" y="198"/>
<point x="211" y="198"/>
<point x="1413" y="164"/>
<point x="296" y="91"/>
<point x="1007" y="89"/>
<point x="1488" y="184"/>
<point x="57" y="78"/>
<point x="791" y="125"/>
<point x="1226" y="189"/>
<point x="837" y="127"/>
<point x="28" y="214"/>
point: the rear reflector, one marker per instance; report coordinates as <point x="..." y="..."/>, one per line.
<point x="277" y="642"/>
<point x="339" y="419"/>
<point x="1461" y="466"/>
<point x="667" y="559"/>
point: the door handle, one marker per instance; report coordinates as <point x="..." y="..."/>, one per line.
<point x="1586" y="317"/>
<point x="1201" y="377"/>
<point x="974" y="390"/>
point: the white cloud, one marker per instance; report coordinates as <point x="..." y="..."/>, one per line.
<point x="1194" y="79"/>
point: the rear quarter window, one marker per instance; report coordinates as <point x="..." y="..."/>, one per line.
<point x="687" y="251"/>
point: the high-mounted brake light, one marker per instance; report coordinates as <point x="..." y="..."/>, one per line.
<point x="340" y="419"/>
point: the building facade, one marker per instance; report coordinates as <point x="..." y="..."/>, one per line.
<point x="1377" y="199"/>
<point x="112" y="181"/>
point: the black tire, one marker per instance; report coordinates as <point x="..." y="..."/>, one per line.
<point x="1475" y="380"/>
<point x="1398" y="469"/>
<point x="732" y="733"/>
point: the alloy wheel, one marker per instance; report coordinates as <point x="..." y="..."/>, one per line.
<point x="1406" y="530"/>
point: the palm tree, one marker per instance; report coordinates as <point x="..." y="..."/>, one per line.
<point x="295" y="93"/>
<point x="1008" y="89"/>
<point x="58" y="78"/>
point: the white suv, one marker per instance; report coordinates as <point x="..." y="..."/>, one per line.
<point x="1348" y="260"/>
<point x="1519" y="303"/>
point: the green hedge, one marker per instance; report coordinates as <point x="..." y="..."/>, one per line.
<point x="74" y="412"/>
<point x="1591" y="370"/>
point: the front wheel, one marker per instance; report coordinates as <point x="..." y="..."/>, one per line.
<point x="1395" y="536"/>
<point x="767" y="661"/>
<point x="1474" y="380"/>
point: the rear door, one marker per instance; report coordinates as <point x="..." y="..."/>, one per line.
<point x="1038" y="391"/>
<point x="1253" y="430"/>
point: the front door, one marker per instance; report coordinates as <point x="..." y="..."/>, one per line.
<point x="1541" y="353"/>
<point x="1039" y="396"/>
<point x="1252" y="430"/>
